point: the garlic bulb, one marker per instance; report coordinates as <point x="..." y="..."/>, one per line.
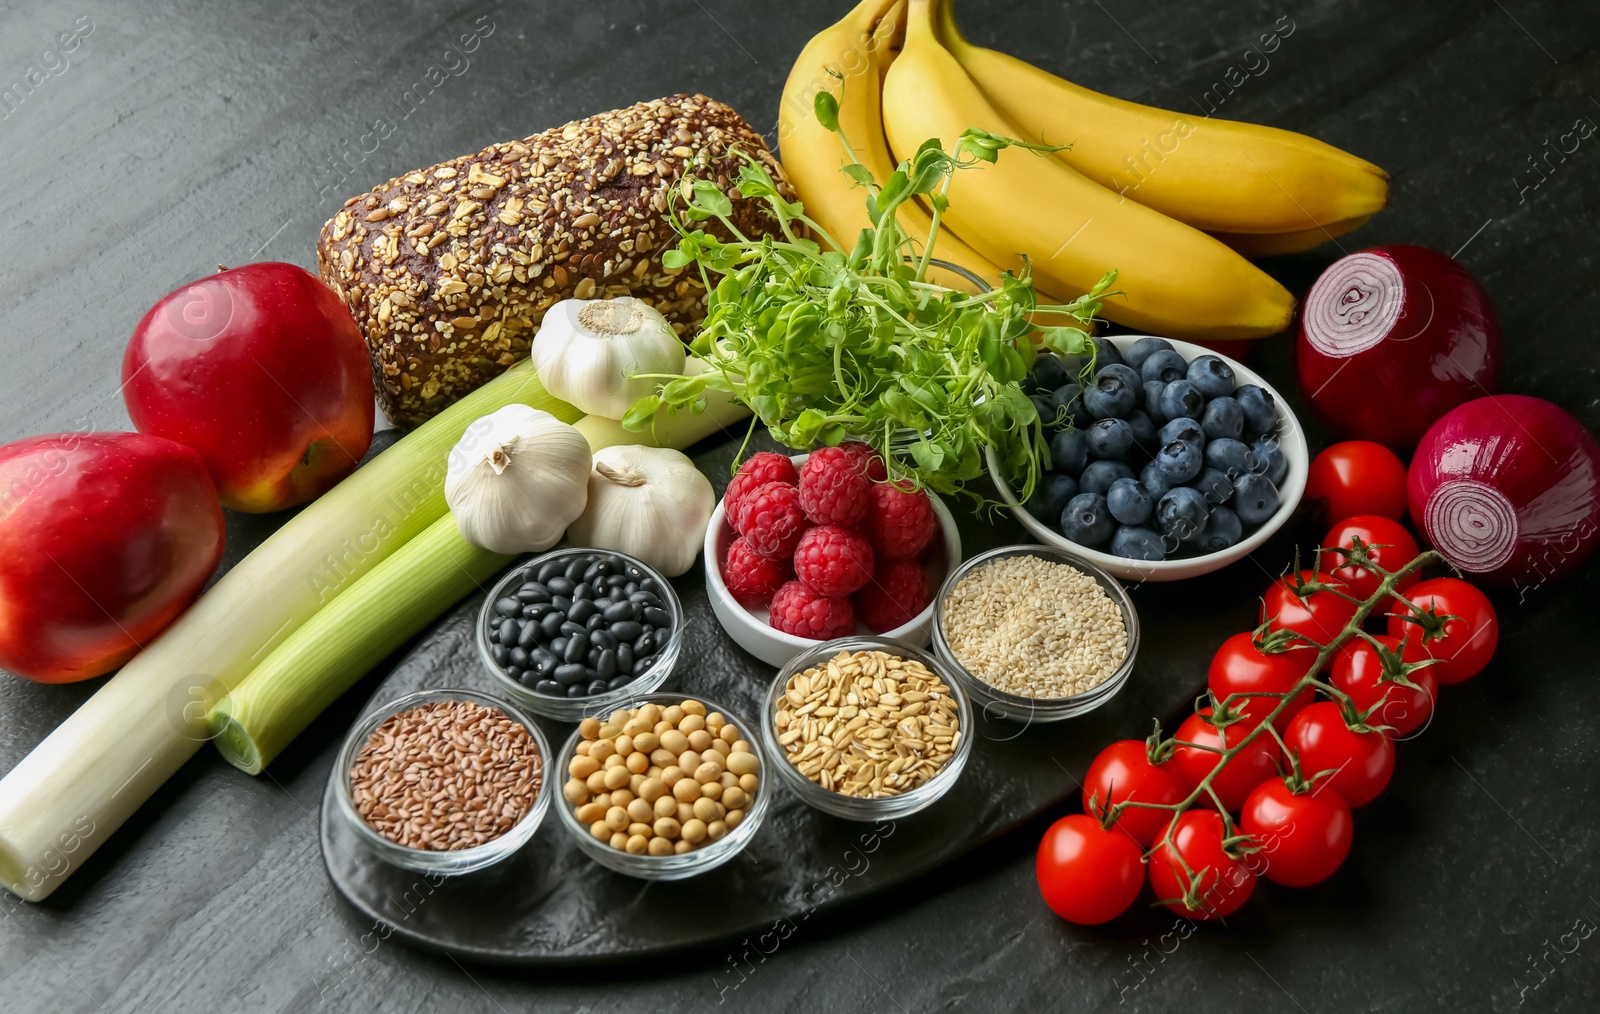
<point x="517" y="479"/>
<point x="588" y="349"/>
<point x="648" y="502"/>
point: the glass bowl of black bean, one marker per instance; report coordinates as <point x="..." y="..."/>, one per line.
<point x="577" y="632"/>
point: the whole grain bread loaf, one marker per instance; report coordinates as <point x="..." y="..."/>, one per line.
<point x="450" y="269"/>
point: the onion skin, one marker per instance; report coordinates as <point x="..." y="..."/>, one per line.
<point x="1392" y="338"/>
<point x="1508" y="489"/>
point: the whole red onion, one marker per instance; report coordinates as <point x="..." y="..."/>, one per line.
<point x="1508" y="487"/>
<point x="1392" y="338"/>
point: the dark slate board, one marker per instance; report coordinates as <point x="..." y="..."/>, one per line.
<point x="551" y="905"/>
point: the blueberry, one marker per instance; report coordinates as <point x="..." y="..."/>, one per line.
<point x="1222" y="531"/>
<point x="1181" y="512"/>
<point x="1165" y="366"/>
<point x="1044" y="406"/>
<point x="1143" y="349"/>
<point x="1086" y="520"/>
<point x="1099" y="475"/>
<point x="1179" y="461"/>
<point x="1050" y="496"/>
<point x="1270" y="459"/>
<point x="1048" y="373"/>
<point x="1106" y="354"/>
<point x="1211" y="375"/>
<point x="1133" y="543"/>
<point x="1144" y="431"/>
<point x="1069" y="452"/>
<point x="1154" y="480"/>
<point x="1255" y="498"/>
<point x="1213" y="485"/>
<point x="1110" y="396"/>
<point x="1180" y="399"/>
<point x="1222" y="418"/>
<point x="1260" y="411"/>
<point x="1068" y="396"/>
<point x="1184" y="429"/>
<point x="1110" y="438"/>
<point x="1129" y="375"/>
<point x="1152" y="400"/>
<point x="1231" y="456"/>
<point x="1129" y="502"/>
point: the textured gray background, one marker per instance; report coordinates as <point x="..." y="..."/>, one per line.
<point x="181" y="135"/>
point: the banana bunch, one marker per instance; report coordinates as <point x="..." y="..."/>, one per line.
<point x="1217" y="191"/>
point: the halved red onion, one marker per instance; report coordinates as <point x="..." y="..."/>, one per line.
<point x="1392" y="338"/>
<point x="1508" y="487"/>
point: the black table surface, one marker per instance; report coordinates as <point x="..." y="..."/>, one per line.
<point x="180" y="135"/>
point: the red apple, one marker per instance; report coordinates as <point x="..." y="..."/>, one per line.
<point x="104" y="539"/>
<point x="264" y="372"/>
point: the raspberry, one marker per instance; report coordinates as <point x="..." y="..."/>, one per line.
<point x="772" y="519"/>
<point x="901" y="522"/>
<point x="898" y="592"/>
<point x="833" y="560"/>
<point x="756" y="472"/>
<point x="800" y="611"/>
<point x="867" y="459"/>
<point x="834" y="487"/>
<point x="752" y="578"/>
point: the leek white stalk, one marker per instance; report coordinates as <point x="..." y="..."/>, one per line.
<point x="66" y="797"/>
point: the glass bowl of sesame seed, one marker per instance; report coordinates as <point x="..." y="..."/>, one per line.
<point x="867" y="728"/>
<point x="444" y="781"/>
<point x="1035" y="633"/>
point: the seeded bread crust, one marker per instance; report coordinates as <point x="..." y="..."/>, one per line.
<point x="450" y="269"/>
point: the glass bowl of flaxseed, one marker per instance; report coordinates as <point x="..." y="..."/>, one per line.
<point x="444" y="781"/>
<point x="1035" y="633"/>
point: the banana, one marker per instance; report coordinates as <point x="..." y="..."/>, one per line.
<point x="1216" y="175"/>
<point x="1276" y="244"/>
<point x="859" y="47"/>
<point x="1176" y="280"/>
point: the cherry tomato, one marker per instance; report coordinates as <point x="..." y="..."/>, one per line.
<point x="1302" y="837"/>
<point x="1399" y="549"/>
<point x="1320" y="616"/>
<point x="1241" y="667"/>
<point x="1220" y="884"/>
<point x="1356" y="670"/>
<point x="1361" y="761"/>
<point x="1358" y="477"/>
<point x="1088" y="875"/>
<point x="1123" y="771"/>
<point x="1242" y="773"/>
<point x="1468" y="642"/>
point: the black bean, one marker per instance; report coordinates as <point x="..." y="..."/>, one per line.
<point x="543" y="659"/>
<point x="536" y="610"/>
<point x="561" y="586"/>
<point x="550" y="569"/>
<point x="595" y="622"/>
<point x="508" y="607"/>
<point x="576" y="568"/>
<point x="625" y="658"/>
<point x="501" y="654"/>
<point x="577" y="690"/>
<point x="644" y="598"/>
<point x="528" y="679"/>
<point x="619" y="682"/>
<point x="568" y="675"/>
<point x="597" y="687"/>
<point x="627" y="630"/>
<point x="644" y="644"/>
<point x="649" y="584"/>
<point x="630" y="588"/>
<point x="508" y="631"/>
<point x="577" y="648"/>
<point x="593" y="658"/>
<point x="569" y="628"/>
<point x="643" y="665"/>
<point x="529" y="636"/>
<point x="581" y="610"/>
<point x="562" y="604"/>
<point x="593" y="571"/>
<point x="519" y="658"/>
<point x="558" y="647"/>
<point x="659" y="617"/>
<point x="615" y="581"/>
<point x="514" y="672"/>
<point x="603" y="638"/>
<point x="606" y="666"/>
<point x="622" y="611"/>
<point x="584" y="590"/>
<point x="533" y="591"/>
<point x="551" y="623"/>
<point x="547" y="687"/>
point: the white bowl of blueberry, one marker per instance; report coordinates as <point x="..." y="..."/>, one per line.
<point x="1167" y="460"/>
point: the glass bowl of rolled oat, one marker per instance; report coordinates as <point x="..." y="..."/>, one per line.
<point x="1035" y="633"/>
<point x="444" y="781"/>
<point x="866" y="728"/>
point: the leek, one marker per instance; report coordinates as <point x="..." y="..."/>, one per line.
<point x="64" y="799"/>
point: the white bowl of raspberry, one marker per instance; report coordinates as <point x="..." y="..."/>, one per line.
<point x="877" y="565"/>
